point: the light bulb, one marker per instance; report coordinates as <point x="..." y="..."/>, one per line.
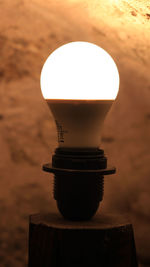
<point x="79" y="81"/>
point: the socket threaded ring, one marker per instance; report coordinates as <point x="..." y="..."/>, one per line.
<point x="78" y="180"/>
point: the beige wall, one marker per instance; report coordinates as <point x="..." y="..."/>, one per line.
<point x="29" y="31"/>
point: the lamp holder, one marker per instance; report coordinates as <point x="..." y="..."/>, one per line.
<point x="78" y="180"/>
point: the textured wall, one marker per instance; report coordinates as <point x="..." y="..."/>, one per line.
<point x="29" y="31"/>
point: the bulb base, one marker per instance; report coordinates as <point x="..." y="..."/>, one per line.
<point x="78" y="181"/>
<point x="78" y="195"/>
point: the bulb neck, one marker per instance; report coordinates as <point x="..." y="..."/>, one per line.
<point x="79" y="123"/>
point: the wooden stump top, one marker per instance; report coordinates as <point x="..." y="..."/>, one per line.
<point x="100" y="221"/>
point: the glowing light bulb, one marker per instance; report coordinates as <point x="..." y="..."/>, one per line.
<point x="79" y="81"/>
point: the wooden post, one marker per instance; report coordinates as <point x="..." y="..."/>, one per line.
<point x="105" y="241"/>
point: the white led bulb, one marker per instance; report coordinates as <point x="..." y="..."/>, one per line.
<point x="79" y="81"/>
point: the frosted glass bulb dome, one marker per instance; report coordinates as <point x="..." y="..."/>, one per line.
<point x="80" y="71"/>
<point x="79" y="82"/>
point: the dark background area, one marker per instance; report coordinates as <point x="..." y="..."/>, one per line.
<point x="29" y="31"/>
